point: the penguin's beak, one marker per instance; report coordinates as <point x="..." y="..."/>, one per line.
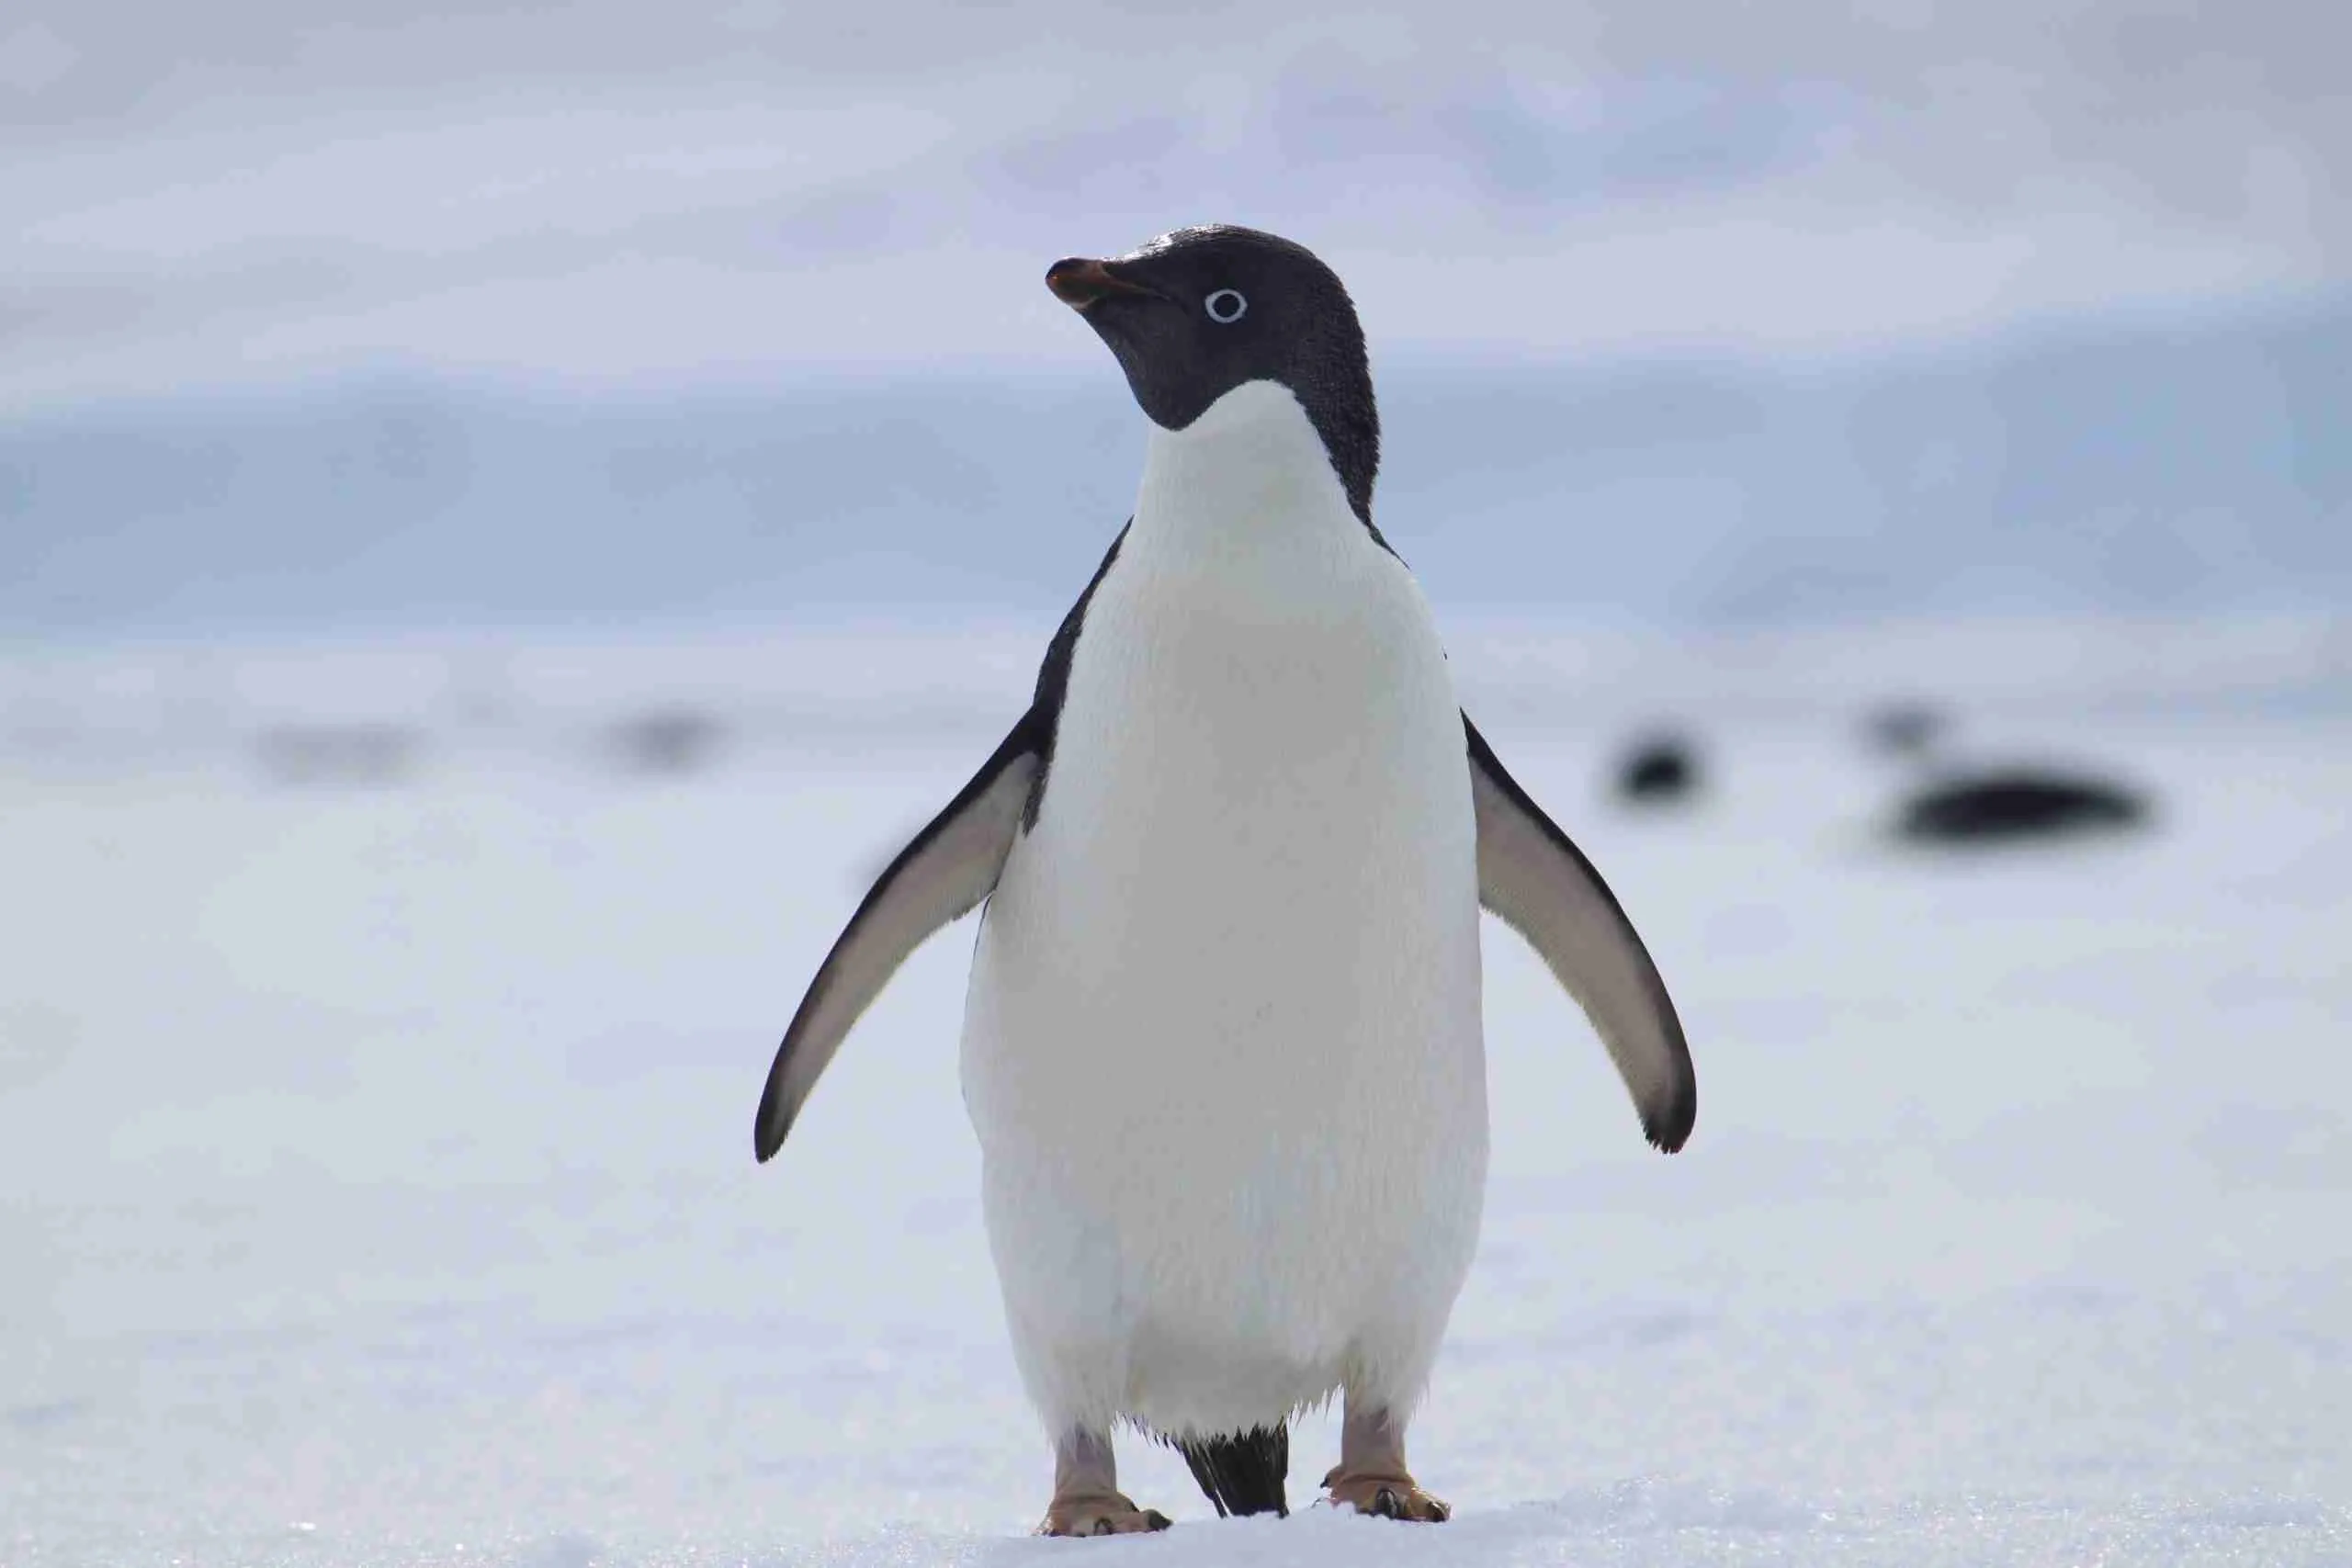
<point x="1079" y="283"/>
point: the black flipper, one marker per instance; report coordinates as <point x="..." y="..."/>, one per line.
<point x="1539" y="884"/>
<point x="950" y="867"/>
<point x="1242" y="1474"/>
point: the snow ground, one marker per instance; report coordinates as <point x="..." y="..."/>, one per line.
<point x="378" y="1180"/>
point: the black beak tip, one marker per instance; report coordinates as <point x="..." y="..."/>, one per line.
<point x="1068" y="278"/>
<point x="1081" y="281"/>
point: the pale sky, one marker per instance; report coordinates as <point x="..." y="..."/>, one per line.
<point x="255" y="188"/>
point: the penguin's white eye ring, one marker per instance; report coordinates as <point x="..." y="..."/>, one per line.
<point x="1225" y="306"/>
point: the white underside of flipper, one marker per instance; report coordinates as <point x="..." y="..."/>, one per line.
<point x="1222" y="1048"/>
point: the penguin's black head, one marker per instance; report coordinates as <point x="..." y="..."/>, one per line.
<point x="1199" y="311"/>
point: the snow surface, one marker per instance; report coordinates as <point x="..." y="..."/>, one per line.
<point x="377" y="1152"/>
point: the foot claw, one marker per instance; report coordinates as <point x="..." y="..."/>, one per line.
<point x="1386" y="1498"/>
<point x="1092" y="1516"/>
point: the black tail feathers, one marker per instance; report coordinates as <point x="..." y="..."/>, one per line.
<point x="1242" y="1474"/>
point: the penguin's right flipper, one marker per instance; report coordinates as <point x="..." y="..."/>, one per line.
<point x="1541" y="886"/>
<point x="949" y="868"/>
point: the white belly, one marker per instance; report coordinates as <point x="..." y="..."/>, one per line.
<point x="1222" y="1048"/>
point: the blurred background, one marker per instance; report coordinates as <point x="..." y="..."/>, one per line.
<point x="508" y="515"/>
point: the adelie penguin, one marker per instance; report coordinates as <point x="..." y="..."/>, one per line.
<point x="1222" y="1047"/>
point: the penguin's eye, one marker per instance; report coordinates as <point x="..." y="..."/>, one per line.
<point x="1225" y="306"/>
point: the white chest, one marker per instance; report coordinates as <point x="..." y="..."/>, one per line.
<point x="1260" y="732"/>
<point x="1224" y="1004"/>
<point x="1256" y="857"/>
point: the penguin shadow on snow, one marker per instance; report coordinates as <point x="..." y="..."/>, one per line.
<point x="1314" y="1535"/>
<point x="1955" y="805"/>
<point x="1533" y="1529"/>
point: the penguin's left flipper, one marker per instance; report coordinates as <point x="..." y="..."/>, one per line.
<point x="949" y="868"/>
<point x="1539" y="884"/>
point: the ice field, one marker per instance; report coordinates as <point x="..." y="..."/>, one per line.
<point x="380" y="1034"/>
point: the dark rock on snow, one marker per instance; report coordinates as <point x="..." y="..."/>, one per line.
<point x="1658" y="769"/>
<point x="2018" y="805"/>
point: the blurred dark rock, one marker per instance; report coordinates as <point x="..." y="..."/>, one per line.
<point x="336" y="754"/>
<point x="1658" y="770"/>
<point x="2018" y="806"/>
<point x="667" y="741"/>
<point x="1905" y="728"/>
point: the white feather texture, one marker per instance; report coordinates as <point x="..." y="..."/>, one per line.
<point x="1222" y="1047"/>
